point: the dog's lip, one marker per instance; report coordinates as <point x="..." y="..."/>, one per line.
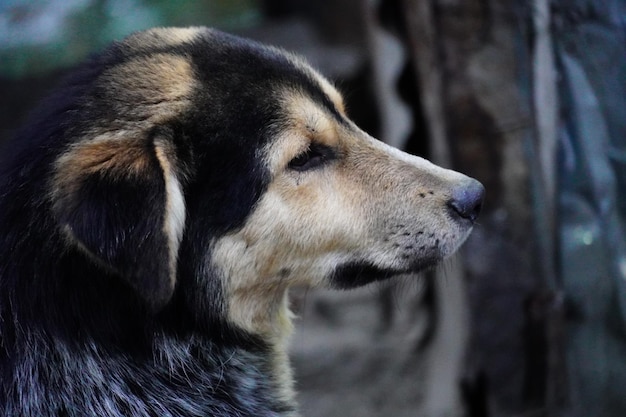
<point x="423" y="263"/>
<point x="356" y="274"/>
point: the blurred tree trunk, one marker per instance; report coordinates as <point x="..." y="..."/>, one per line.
<point x="466" y="59"/>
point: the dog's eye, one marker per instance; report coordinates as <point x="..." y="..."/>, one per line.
<point x="315" y="156"/>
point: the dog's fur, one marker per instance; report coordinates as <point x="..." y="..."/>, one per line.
<point x="158" y="206"/>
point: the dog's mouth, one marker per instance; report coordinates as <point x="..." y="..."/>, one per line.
<point x="357" y="274"/>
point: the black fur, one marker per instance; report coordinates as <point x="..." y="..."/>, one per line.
<point x="80" y="336"/>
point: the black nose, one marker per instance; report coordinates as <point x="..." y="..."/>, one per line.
<point x="467" y="200"/>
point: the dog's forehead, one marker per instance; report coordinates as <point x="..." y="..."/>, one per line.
<point x="184" y="72"/>
<point x="222" y="61"/>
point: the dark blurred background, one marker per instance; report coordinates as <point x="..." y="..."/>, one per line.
<point x="527" y="96"/>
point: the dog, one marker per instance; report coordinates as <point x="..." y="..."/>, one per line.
<point x="158" y="206"/>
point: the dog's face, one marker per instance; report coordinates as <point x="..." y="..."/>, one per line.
<point x="213" y="162"/>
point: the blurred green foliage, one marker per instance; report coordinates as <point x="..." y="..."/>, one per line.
<point x="39" y="36"/>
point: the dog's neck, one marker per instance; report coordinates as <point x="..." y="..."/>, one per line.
<point x="256" y="301"/>
<point x="266" y="314"/>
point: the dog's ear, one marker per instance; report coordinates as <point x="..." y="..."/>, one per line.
<point x="119" y="198"/>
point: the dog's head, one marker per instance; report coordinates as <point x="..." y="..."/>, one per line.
<point x="212" y="162"/>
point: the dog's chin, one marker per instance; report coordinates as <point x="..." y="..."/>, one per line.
<point x="357" y="274"/>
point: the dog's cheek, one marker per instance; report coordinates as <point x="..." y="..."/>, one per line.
<point x="322" y="215"/>
<point x="288" y="239"/>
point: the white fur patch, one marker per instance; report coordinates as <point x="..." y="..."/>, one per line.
<point x="175" y="210"/>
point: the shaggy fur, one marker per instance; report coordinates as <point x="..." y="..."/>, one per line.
<point x="158" y="206"/>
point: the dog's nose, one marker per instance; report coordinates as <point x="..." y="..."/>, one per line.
<point x="467" y="200"/>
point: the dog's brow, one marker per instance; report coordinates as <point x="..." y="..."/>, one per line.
<point x="316" y="90"/>
<point x="329" y="105"/>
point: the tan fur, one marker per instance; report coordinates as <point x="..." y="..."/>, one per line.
<point x="105" y="154"/>
<point x="161" y="37"/>
<point x="154" y="79"/>
<point x="150" y="89"/>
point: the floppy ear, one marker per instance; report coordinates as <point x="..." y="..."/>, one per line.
<point x="119" y="199"/>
